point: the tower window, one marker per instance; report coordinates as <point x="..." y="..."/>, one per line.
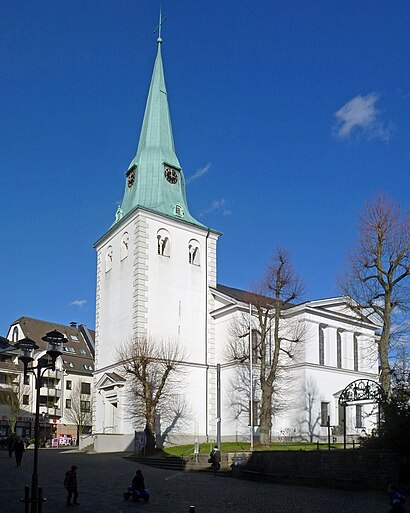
<point x="108" y="259"/>
<point x="163" y="243"/>
<point x="15" y="336"/>
<point x="193" y="252"/>
<point x="124" y="246"/>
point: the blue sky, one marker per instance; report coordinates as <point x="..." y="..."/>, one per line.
<point x="287" y="117"/>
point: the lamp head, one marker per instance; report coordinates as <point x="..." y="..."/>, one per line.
<point x="55" y="341"/>
<point x="26" y="347"/>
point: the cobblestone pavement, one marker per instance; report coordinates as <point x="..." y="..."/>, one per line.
<point x="104" y="477"/>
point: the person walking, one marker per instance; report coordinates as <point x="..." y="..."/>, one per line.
<point x="215" y="459"/>
<point x="70" y="484"/>
<point x="10" y="445"/>
<point x="18" y="451"/>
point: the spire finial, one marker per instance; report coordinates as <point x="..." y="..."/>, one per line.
<point x="161" y="21"/>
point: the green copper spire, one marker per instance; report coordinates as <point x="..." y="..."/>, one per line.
<point x="154" y="178"/>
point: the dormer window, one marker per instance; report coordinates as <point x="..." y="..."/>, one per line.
<point x="178" y="211"/>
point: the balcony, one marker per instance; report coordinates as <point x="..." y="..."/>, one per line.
<point x="50" y="410"/>
<point x="50" y="392"/>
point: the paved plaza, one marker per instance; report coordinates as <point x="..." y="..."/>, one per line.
<point x="104" y="477"/>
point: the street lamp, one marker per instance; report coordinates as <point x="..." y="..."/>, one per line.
<point x="55" y="341"/>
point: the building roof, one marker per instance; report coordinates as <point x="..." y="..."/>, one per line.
<point x="245" y="296"/>
<point x="78" y="351"/>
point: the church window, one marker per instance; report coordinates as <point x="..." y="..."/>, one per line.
<point x="256" y="340"/>
<point x="355" y="352"/>
<point x="339" y="349"/>
<point x="15" y="334"/>
<point x="108" y="259"/>
<point x="124" y="246"/>
<point x="324" y="413"/>
<point x="321" y="345"/>
<point x="359" y="416"/>
<point x="163" y="243"/>
<point x="193" y="252"/>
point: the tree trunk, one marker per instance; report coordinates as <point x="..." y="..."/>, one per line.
<point x="265" y="420"/>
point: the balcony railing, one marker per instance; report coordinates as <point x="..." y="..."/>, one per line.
<point x="50" y="392"/>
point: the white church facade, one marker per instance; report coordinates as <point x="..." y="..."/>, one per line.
<point x="156" y="277"/>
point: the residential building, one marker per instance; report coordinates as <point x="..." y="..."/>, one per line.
<point x="65" y="394"/>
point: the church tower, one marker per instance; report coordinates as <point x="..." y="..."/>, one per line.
<point x="155" y="265"/>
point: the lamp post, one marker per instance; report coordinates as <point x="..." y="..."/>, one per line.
<point x="55" y="341"/>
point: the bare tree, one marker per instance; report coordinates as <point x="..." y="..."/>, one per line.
<point x="12" y="399"/>
<point x="275" y="336"/>
<point x="153" y="370"/>
<point x="80" y="411"/>
<point x="376" y="275"/>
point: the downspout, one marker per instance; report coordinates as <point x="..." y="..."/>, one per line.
<point x="206" y="336"/>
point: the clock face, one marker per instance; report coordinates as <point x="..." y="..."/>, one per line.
<point x="131" y="178"/>
<point x="171" y="175"/>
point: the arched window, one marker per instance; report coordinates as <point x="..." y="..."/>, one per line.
<point x="108" y="259"/>
<point x="163" y="243"/>
<point x="321" y="344"/>
<point x="193" y="252"/>
<point x="125" y="240"/>
<point x="15" y="335"/>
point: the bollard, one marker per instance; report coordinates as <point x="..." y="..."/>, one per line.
<point x="26" y="499"/>
<point x="191" y="509"/>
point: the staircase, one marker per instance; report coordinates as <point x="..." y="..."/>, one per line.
<point x="181" y="464"/>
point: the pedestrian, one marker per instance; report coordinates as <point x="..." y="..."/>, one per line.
<point x="70" y="484"/>
<point x="396" y="499"/>
<point x="138" y="483"/>
<point x="10" y="445"/>
<point x="215" y="459"/>
<point x="18" y="451"/>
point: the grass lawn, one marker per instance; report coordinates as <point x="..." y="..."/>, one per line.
<point x="205" y="448"/>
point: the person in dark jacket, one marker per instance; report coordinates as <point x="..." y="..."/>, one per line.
<point x="70" y="484"/>
<point x="215" y="459"/>
<point x="138" y="483"/>
<point x="10" y="445"/>
<point x="18" y="451"/>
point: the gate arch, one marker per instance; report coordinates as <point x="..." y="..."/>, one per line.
<point x="361" y="391"/>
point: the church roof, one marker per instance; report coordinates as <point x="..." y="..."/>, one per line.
<point x="246" y="297"/>
<point x="146" y="184"/>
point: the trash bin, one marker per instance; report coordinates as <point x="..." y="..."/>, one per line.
<point x="236" y="466"/>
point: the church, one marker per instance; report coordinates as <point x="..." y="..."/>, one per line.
<point x="157" y="278"/>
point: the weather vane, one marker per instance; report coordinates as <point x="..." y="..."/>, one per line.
<point x="161" y="21"/>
